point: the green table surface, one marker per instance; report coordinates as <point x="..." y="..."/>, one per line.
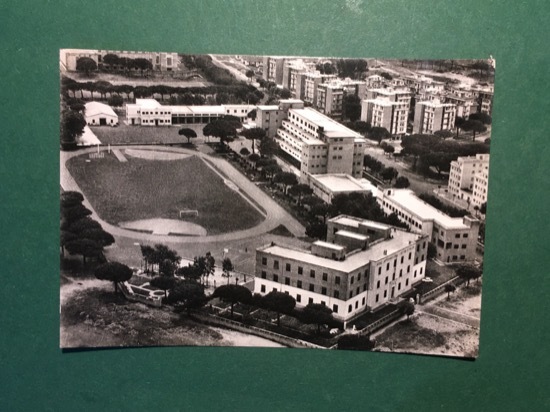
<point x="511" y="373"/>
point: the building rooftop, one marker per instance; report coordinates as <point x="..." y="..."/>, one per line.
<point x="352" y="235"/>
<point x="328" y="245"/>
<point x="270" y="107"/>
<point x="147" y="103"/>
<point x="353" y="261"/>
<point x="339" y="182"/>
<point x="407" y="199"/>
<point x="436" y="103"/>
<point x="331" y="127"/>
<point x="94" y="108"/>
<point x="352" y="221"/>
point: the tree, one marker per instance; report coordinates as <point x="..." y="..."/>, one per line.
<point x="113" y="271"/>
<point x="187" y="295"/>
<point x="449" y="288"/>
<point x="249" y="74"/>
<point x="432" y="251"/>
<point x="443" y="133"/>
<point x="316" y="230"/>
<point x="389" y="173"/>
<point x="387" y="148"/>
<point x="474" y="126"/>
<point x="268" y="146"/>
<point x="244" y="151"/>
<point x="408" y="308"/>
<point x="227" y="267"/>
<point x="188" y="133"/>
<point x="459" y="122"/>
<point x="483" y="208"/>
<point x="286" y="179"/>
<point x="401" y="182"/>
<point x="359" y="126"/>
<point x="72" y="126"/>
<point x="285" y="93"/>
<point x="85" y="247"/>
<point x="164" y="283"/>
<point x="167" y="268"/>
<point x="111" y="59"/>
<point x="386" y="75"/>
<point x="161" y="253"/>
<point x="353" y="68"/>
<point x="378" y="134"/>
<point x="86" y="65"/>
<point x="225" y="130"/>
<point x="115" y="100"/>
<point x="482" y="117"/>
<point x="255" y="133"/>
<point x="351" y="107"/>
<point x="278" y="302"/>
<point x="233" y="294"/>
<point x="316" y="313"/>
<point x="142" y="64"/>
<point x="190" y="272"/>
<point x="468" y="272"/>
<point x="300" y="190"/>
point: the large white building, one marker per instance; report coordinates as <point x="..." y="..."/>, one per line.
<point x="149" y="112"/>
<point x="320" y="144"/>
<point x="455" y="239"/>
<point x="468" y="178"/>
<point x="362" y="266"/>
<point x="100" y="114"/>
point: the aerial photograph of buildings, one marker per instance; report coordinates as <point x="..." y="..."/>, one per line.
<point x="273" y="201"/>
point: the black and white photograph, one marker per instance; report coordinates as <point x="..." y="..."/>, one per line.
<point x="273" y="201"/>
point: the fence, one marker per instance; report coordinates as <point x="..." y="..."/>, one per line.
<point x="434" y="292"/>
<point x="380" y="322"/>
<point x="130" y="295"/>
<point x="266" y="334"/>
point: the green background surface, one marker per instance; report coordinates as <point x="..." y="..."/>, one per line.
<point x="512" y="371"/>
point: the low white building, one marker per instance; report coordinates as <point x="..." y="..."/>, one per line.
<point x="326" y="186"/>
<point x="468" y="178"/>
<point x="100" y="114"/>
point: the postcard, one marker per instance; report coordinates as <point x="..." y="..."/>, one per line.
<point x="273" y="201"/>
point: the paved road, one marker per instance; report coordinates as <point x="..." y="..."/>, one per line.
<point x="275" y="215"/>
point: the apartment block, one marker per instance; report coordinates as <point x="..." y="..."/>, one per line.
<point x="270" y="117"/>
<point x="273" y="69"/>
<point x="362" y="266"/>
<point x="320" y="144"/>
<point x="431" y="116"/>
<point x="468" y="178"/>
<point x="307" y="82"/>
<point x="387" y="108"/>
<point x="455" y="239"/>
<point x="330" y="96"/>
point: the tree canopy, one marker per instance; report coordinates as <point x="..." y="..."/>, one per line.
<point x="278" y="302"/>
<point x="86" y="65"/>
<point x="468" y="272"/>
<point x="233" y="294"/>
<point x="316" y="313"/>
<point x="255" y="133"/>
<point x="188" y="133"/>
<point x="113" y="271"/>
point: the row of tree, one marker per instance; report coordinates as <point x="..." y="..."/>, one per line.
<point x="80" y="234"/>
<point x="378" y="168"/>
<point x="87" y="65"/>
<point x="438" y="204"/>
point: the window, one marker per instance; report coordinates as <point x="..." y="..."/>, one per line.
<point x="264" y="275"/>
<point x="262" y="289"/>
<point x="356" y="305"/>
<point x="311" y="287"/>
<point x="323" y="291"/>
<point x="363" y="301"/>
<point x="299" y="284"/>
<point x="465" y="235"/>
<point x="264" y="261"/>
<point x="351" y="281"/>
<point x="457" y="235"/>
<point x="380" y="270"/>
<point x="300" y="270"/>
<point x="310" y="300"/>
<point x="377" y="298"/>
<point x="298" y="298"/>
<point x="385" y="293"/>
<point x="325" y="276"/>
<point x="400" y="273"/>
<point x="337" y="294"/>
<point x="463" y="246"/>
<point x="399" y="286"/>
<point x="357" y="290"/>
<point x="388" y="266"/>
<point x="337" y="280"/>
<point x="410" y="255"/>
<point x="350" y="294"/>
<point x="407" y="282"/>
<point x="415" y="273"/>
<point x="335" y="308"/>
<point x="402" y="257"/>
<point x="349" y="308"/>
<point x="378" y="284"/>
<point x="364" y="287"/>
<point x="275" y="264"/>
<point x="312" y="274"/>
<point x="275" y="278"/>
<point x="287" y="267"/>
<point x="386" y="281"/>
<point x="287" y="281"/>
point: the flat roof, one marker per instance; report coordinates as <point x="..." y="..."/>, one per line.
<point x="331" y="127"/>
<point x="270" y="107"/>
<point x="407" y="199"/>
<point x="353" y="221"/>
<point x="353" y="261"/>
<point x="353" y="235"/>
<point x="338" y="182"/>
<point x="148" y="103"/>
<point x="328" y="245"/>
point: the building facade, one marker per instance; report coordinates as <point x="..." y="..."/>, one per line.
<point x="455" y="239"/>
<point x="100" y="114"/>
<point x="468" y="178"/>
<point x="432" y="116"/>
<point x="330" y="95"/>
<point x="387" y="108"/>
<point x="320" y="144"/>
<point x="362" y="266"/>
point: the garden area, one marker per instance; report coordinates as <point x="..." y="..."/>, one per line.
<point x="143" y="189"/>
<point x="126" y="134"/>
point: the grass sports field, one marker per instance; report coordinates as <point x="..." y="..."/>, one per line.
<point x="143" y="189"/>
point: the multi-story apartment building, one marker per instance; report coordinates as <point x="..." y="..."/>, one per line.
<point x="270" y="117"/>
<point x="273" y="69"/>
<point x="387" y="108"/>
<point x="465" y="106"/>
<point x="291" y="69"/>
<point x="468" y="178"/>
<point x="330" y="96"/>
<point x="455" y="239"/>
<point x="375" y="81"/>
<point x="307" y="82"/>
<point x="362" y="266"/>
<point x="149" y="112"/>
<point x="320" y="144"/>
<point x="431" y="116"/>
